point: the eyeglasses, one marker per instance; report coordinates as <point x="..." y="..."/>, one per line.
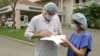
<point x="50" y="13"/>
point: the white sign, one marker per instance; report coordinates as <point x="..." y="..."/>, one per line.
<point x="6" y="9"/>
<point x="33" y="0"/>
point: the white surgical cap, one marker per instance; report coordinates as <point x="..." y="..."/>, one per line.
<point x="80" y="18"/>
<point x="52" y="7"/>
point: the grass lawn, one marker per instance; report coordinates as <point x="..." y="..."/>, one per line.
<point x="18" y="34"/>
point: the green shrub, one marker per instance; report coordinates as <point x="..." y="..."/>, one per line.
<point x="92" y="13"/>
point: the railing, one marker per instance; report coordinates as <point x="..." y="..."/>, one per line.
<point x="40" y="0"/>
<point x="85" y="4"/>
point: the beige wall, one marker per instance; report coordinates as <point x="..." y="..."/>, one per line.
<point x="17" y="19"/>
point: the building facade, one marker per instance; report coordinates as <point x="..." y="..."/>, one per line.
<point x="81" y="3"/>
<point x="65" y="8"/>
<point x="34" y="7"/>
<point x="23" y="8"/>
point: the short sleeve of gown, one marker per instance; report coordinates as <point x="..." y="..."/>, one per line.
<point x="86" y="42"/>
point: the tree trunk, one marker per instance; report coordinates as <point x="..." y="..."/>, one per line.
<point x="96" y="23"/>
<point x="13" y="5"/>
<point x="0" y="21"/>
<point x="13" y="12"/>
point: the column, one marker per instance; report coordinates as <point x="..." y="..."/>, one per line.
<point x="17" y="19"/>
<point x="62" y="8"/>
<point x="80" y="1"/>
<point x="0" y="21"/>
<point x="74" y="2"/>
<point x="69" y="10"/>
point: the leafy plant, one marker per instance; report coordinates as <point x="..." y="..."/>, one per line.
<point x="92" y="13"/>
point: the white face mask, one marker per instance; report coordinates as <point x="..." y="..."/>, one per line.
<point x="49" y="17"/>
<point x="74" y="27"/>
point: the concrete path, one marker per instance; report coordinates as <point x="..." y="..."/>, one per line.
<point x="9" y="47"/>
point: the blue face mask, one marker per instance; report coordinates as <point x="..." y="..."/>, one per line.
<point x="49" y="17"/>
<point x="74" y="27"/>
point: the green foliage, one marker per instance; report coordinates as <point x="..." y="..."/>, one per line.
<point x="18" y="33"/>
<point x="4" y="3"/>
<point x="92" y="13"/>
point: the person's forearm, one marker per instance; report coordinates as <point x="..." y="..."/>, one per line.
<point x="58" y="33"/>
<point x="76" y="51"/>
<point x="37" y="35"/>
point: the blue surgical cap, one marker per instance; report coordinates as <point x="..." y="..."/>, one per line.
<point x="80" y="18"/>
<point x="52" y="7"/>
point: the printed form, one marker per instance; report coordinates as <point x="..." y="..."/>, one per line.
<point x="55" y="38"/>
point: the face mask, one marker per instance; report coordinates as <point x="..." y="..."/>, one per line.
<point x="74" y="27"/>
<point x="49" y="17"/>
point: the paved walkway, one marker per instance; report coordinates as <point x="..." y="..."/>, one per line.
<point x="10" y="47"/>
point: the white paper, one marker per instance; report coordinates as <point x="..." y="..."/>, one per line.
<point x="55" y="38"/>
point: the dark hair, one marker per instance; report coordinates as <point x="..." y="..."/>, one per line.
<point x="77" y="22"/>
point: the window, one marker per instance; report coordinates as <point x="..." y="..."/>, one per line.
<point x="84" y="0"/>
<point x="76" y="1"/>
<point x="22" y="18"/>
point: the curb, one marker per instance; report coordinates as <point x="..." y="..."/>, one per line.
<point x="17" y="40"/>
